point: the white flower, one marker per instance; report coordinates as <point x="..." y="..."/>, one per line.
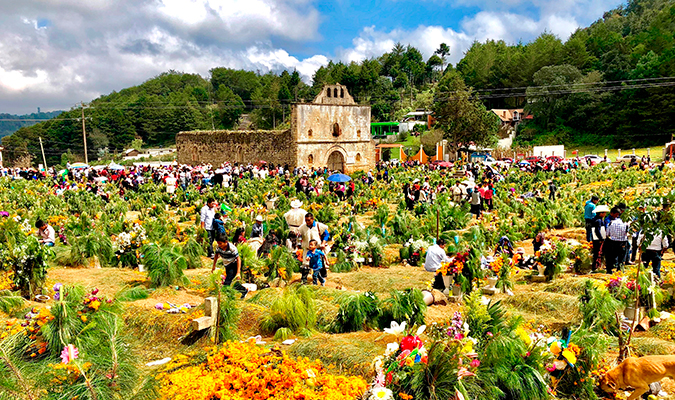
<point x="422" y="351"/>
<point x="395" y="329"/>
<point x="465" y="328"/>
<point x="378" y="364"/>
<point x="381" y="394"/>
<point x="421" y="329"/>
<point x="391" y="349"/>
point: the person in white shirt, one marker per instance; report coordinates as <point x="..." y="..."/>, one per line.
<point x="208" y="212"/>
<point x="435" y="258"/>
<point x="654" y="253"/>
<point x="46" y="234"/>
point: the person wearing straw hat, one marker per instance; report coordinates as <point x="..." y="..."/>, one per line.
<point x="295" y="217"/>
<point x="598" y="235"/>
<point x="257" y="228"/>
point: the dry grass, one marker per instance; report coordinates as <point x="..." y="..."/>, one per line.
<point x="157" y="334"/>
<point x="650" y="345"/>
<point x="569" y="285"/>
<point x="383" y="280"/>
<point x="349" y="353"/>
<point x="545" y="308"/>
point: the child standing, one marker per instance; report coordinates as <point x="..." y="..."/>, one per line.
<point x="315" y="258"/>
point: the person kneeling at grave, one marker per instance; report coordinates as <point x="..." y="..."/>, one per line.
<point x="232" y="263"/>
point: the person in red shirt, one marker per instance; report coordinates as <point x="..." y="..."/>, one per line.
<point x="487" y="193"/>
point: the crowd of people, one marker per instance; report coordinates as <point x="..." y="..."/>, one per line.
<point x="617" y="242"/>
<point x="614" y="242"/>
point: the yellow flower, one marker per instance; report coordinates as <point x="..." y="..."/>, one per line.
<point x="569" y="356"/>
<point x="95" y="304"/>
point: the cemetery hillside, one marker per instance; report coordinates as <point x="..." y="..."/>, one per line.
<point x="495" y="226"/>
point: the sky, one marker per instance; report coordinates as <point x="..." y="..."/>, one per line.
<point x="56" y="53"/>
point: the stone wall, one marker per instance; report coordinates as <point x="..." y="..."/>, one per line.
<point x="216" y="147"/>
<point x="320" y="130"/>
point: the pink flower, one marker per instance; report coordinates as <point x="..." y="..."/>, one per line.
<point x="94" y="292"/>
<point x="489" y="334"/>
<point x="474" y="363"/>
<point x="69" y="353"/>
<point x="401" y="357"/>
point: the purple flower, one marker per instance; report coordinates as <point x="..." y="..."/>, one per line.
<point x="57" y="296"/>
<point x="57" y="287"/>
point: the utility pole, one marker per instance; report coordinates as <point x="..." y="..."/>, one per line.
<point x="44" y="160"/>
<point x="84" y="135"/>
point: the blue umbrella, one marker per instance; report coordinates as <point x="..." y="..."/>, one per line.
<point x="339" y="178"/>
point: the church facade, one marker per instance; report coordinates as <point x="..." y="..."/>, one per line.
<point x="332" y="131"/>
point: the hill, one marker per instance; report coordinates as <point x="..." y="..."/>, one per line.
<point x="10" y="123"/>
<point x="610" y="84"/>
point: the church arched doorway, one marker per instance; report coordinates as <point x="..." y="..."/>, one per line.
<point x="336" y="162"/>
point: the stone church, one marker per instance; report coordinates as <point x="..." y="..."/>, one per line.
<point x="331" y="131"/>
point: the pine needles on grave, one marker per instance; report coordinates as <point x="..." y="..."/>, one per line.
<point x="403" y="305"/>
<point x="132" y="294"/>
<point x="192" y="251"/>
<point x="344" y="263"/>
<point x="66" y="325"/>
<point x="598" y="308"/>
<point x="358" y="311"/>
<point x="14" y="372"/>
<point x="10" y="301"/>
<point x="294" y="309"/>
<point x="437" y="379"/>
<point x="165" y="265"/>
<point x="229" y="313"/>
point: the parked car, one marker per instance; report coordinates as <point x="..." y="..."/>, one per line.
<point x="533" y="159"/>
<point x="626" y="158"/>
<point x="595" y="159"/>
<point x="489" y="160"/>
<point x="555" y="159"/>
<point x="506" y="160"/>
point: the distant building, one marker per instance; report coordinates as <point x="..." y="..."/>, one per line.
<point x="509" y="119"/>
<point x="133" y="154"/>
<point x="332" y="131"/>
<point x="417" y="117"/>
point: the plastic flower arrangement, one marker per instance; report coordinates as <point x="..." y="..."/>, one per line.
<point x="394" y="369"/>
<point x="564" y="355"/>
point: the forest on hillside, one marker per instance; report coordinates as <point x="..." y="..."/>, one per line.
<point x="10" y="123"/>
<point x="608" y="84"/>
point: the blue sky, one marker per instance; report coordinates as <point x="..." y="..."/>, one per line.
<point x="56" y="53"/>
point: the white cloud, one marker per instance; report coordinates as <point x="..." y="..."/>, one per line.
<point x="55" y="53"/>
<point x="373" y="43"/>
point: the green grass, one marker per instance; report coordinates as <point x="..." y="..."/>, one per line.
<point x="655" y="152"/>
